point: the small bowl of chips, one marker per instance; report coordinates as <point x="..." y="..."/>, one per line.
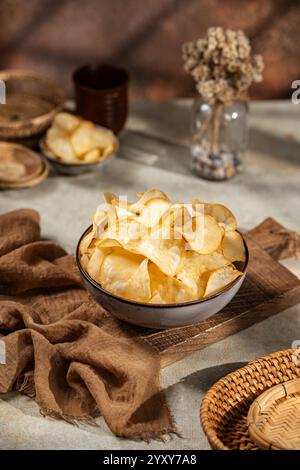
<point x="158" y="264"/>
<point x="74" y="146"/>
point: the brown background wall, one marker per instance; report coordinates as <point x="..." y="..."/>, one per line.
<point x="55" y="36"/>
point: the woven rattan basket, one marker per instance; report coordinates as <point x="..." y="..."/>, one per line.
<point x="225" y="407"/>
<point x="31" y="104"/>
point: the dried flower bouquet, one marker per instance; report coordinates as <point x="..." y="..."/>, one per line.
<point x="223" y="68"/>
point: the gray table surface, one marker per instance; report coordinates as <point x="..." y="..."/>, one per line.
<point x="154" y="153"/>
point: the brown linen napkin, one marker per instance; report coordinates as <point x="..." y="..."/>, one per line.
<point x="58" y="347"/>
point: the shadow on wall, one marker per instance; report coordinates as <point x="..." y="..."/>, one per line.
<point x="55" y="36"/>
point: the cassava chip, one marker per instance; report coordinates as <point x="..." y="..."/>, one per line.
<point x="138" y="286"/>
<point x="203" y="234"/>
<point x="180" y="216"/>
<point x="125" y="231"/>
<point x="100" y="220"/>
<point x="173" y="220"/>
<point x="102" y="138"/>
<point x="84" y="259"/>
<point x="195" y="268"/>
<point x="81" y="139"/>
<point x="146" y="197"/>
<point x="66" y="121"/>
<point x="190" y="271"/>
<point x="233" y="246"/>
<point x="110" y="198"/>
<point x="152" y="212"/>
<point x="92" y="156"/>
<point x="221" y="278"/>
<point x="135" y="238"/>
<point x="106" y="151"/>
<point x="86" y="241"/>
<point x="59" y="144"/>
<point x="118" y="266"/>
<point x="169" y="289"/>
<point x="222" y="215"/>
<point x="108" y="243"/>
<point x="94" y="265"/>
<point x="121" y="205"/>
<point x="126" y="274"/>
<point x="165" y="253"/>
<point x="213" y="261"/>
<point x="156" y="299"/>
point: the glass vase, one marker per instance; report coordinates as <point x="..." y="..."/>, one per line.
<point x="219" y="138"/>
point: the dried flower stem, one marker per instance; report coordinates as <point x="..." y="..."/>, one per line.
<point x="199" y="134"/>
<point x="216" y="124"/>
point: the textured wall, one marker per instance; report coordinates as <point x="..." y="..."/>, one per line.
<point x="54" y="36"/>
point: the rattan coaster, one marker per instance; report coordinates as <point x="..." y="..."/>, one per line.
<point x="274" y="417"/>
<point x="20" y="167"/>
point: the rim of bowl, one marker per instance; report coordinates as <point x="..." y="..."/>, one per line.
<point x="98" y="91"/>
<point x="77" y="165"/>
<point x="144" y="304"/>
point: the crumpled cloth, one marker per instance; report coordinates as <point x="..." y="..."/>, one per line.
<point x="62" y="348"/>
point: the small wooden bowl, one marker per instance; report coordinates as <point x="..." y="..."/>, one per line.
<point x="31" y="104"/>
<point x="20" y="167"/>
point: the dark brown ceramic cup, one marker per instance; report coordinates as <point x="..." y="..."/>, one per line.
<point x="101" y="94"/>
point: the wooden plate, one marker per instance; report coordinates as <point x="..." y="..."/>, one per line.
<point x="20" y="167"/>
<point x="274" y="417"/>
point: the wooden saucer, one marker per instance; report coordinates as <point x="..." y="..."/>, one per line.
<point x="20" y="167"/>
<point x="274" y="417"/>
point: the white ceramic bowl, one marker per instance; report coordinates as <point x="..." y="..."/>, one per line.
<point x="73" y="169"/>
<point x="161" y="316"/>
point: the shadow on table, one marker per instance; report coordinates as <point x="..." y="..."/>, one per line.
<point x="282" y="148"/>
<point x="170" y="120"/>
<point x="203" y="379"/>
<point x="23" y="403"/>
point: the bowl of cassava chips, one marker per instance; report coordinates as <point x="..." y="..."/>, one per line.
<point x="73" y="145"/>
<point x="158" y="264"/>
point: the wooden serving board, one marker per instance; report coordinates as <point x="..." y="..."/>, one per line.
<point x="269" y="288"/>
